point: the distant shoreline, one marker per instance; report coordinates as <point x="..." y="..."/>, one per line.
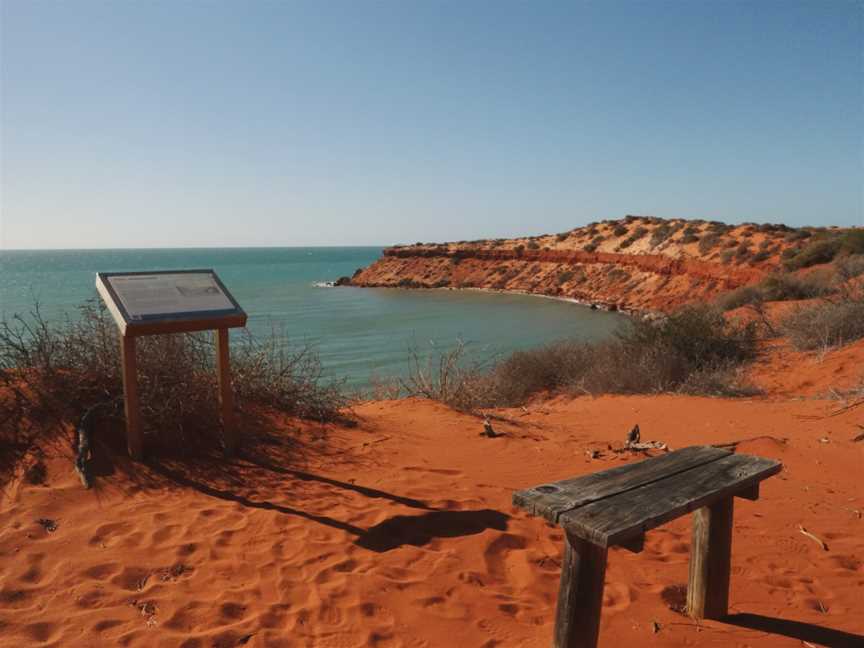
<point x="571" y="300"/>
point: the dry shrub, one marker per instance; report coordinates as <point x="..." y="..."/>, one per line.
<point x="448" y="377"/>
<point x="777" y="287"/>
<point x="694" y="350"/>
<point x="51" y="374"/>
<point x="825" y="325"/>
<point x="661" y="233"/>
<point x="707" y="242"/>
<point x="564" y="277"/>
<point x="849" y="267"/>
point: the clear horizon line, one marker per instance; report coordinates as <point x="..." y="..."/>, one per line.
<point x="195" y="247"/>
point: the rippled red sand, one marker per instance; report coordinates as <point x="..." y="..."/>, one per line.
<point x="400" y="532"/>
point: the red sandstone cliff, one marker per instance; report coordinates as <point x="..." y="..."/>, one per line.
<point x="636" y="263"/>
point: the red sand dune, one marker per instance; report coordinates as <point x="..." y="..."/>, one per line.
<point x="400" y="532"/>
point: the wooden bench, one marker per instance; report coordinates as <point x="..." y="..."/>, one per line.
<point x="616" y="507"/>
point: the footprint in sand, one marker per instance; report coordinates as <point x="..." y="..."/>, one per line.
<point x="187" y="549"/>
<point x="498" y="551"/>
<point x="230" y="612"/>
<point x="11" y="599"/>
<point x="380" y="639"/>
<point x="34" y="572"/>
<point x="132" y="579"/>
<point x="90" y="600"/>
<point x="617" y="597"/>
<point x="42" y="632"/>
<point x="847" y="563"/>
<point x="182" y="619"/>
<point x="106" y="624"/>
<point x="102" y="572"/>
<point x="109" y="531"/>
<point x="164" y="533"/>
<point x="274" y="617"/>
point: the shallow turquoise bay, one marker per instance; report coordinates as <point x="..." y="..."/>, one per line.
<point x="358" y="332"/>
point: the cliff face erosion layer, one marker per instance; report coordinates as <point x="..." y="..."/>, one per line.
<point x="635" y="263"/>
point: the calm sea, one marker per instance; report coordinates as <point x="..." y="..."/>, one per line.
<point x="358" y="332"/>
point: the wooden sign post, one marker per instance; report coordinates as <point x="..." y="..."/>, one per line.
<point x="176" y="301"/>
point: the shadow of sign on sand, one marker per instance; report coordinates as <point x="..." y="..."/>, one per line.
<point x="397" y="531"/>
<point x="418" y="530"/>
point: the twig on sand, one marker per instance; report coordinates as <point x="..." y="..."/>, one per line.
<point x="819" y="541"/>
<point x="646" y="445"/>
<point x="732" y="445"/>
<point x="836" y="412"/>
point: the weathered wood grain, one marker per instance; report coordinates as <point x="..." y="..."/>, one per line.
<point x="619" y="517"/>
<point x="751" y="493"/>
<point x="551" y="500"/>
<point x="580" y="596"/>
<point x="132" y="406"/>
<point x="710" y="560"/>
<point x="226" y="392"/>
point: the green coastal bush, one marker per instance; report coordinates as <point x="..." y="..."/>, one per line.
<point x="637" y="234"/>
<point x="825" y="247"/>
<point x="694" y="350"/>
<point x="661" y="233"/>
<point x="689" y="237"/>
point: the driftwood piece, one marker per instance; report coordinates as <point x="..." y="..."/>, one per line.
<point x="815" y="539"/>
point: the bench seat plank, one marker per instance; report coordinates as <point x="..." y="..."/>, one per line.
<point x="553" y="499"/>
<point x="622" y="516"/>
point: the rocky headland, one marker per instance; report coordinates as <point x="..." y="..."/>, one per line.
<point x="637" y="263"/>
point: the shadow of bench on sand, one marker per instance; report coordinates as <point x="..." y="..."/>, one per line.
<point x="796" y="630"/>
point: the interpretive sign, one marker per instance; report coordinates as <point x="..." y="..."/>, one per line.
<point x="144" y="303"/>
<point x="174" y="301"/>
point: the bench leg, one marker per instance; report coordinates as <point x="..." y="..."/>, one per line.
<point x="580" y="597"/>
<point x="710" y="560"/>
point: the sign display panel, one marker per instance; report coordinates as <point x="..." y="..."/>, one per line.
<point x="154" y="295"/>
<point x="140" y="301"/>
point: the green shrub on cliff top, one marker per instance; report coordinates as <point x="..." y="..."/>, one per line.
<point x="825" y="247"/>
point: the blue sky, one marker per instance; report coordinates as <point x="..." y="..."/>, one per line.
<point x="141" y="124"/>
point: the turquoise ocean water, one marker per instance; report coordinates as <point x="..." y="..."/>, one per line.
<point x="358" y="332"/>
